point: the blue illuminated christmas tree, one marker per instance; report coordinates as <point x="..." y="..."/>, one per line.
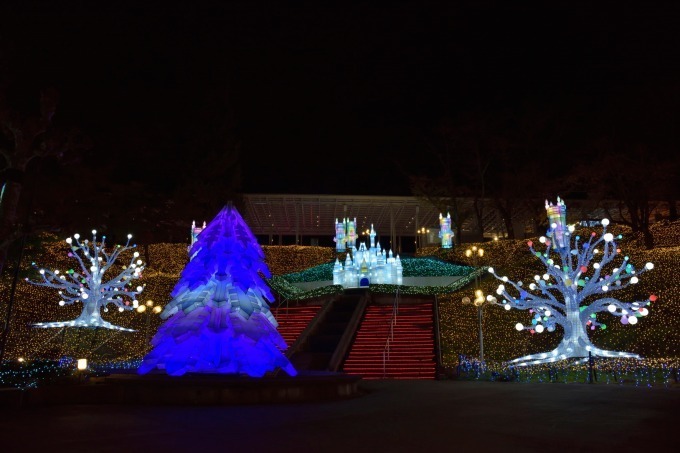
<point x="218" y="320"/>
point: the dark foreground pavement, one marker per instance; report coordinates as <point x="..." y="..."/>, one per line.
<point x="389" y="416"/>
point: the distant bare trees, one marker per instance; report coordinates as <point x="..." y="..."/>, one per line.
<point x="26" y="137"/>
<point x="618" y="153"/>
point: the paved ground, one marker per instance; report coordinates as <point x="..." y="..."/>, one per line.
<point x="389" y="416"/>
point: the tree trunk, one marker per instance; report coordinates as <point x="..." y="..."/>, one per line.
<point x="505" y="208"/>
<point x="648" y="238"/>
<point x="147" y="255"/>
<point x="479" y="216"/>
<point x="9" y="219"/>
<point x="672" y="210"/>
<point x="91" y="314"/>
<point x="575" y="341"/>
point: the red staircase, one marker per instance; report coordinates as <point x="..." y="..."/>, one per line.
<point x="411" y="351"/>
<point x="293" y="319"/>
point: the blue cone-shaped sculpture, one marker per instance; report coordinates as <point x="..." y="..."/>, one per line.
<point x="218" y="320"/>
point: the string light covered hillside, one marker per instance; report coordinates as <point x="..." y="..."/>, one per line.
<point x="218" y="320"/>
<point x="657" y="336"/>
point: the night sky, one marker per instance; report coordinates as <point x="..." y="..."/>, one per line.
<point x="318" y="97"/>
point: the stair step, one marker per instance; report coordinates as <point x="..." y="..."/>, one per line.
<point x="293" y="320"/>
<point x="403" y="335"/>
<point x="406" y="378"/>
<point x="375" y="367"/>
<point x="391" y="371"/>
<point x="411" y="344"/>
<point x="392" y="358"/>
<point x="384" y="344"/>
<point x="393" y="367"/>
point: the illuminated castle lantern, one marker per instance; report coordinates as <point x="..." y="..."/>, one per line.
<point x="345" y="234"/>
<point x="445" y="232"/>
<point x="351" y="238"/>
<point x="195" y="231"/>
<point x="557" y="223"/>
<point x="339" y="238"/>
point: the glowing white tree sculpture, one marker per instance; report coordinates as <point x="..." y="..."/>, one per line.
<point x="88" y="285"/>
<point x="574" y="289"/>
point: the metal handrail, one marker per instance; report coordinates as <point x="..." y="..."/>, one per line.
<point x="38" y="349"/>
<point x="390" y="337"/>
<point x="282" y="300"/>
<point x="437" y="332"/>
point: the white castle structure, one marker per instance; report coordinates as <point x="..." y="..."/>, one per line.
<point x="368" y="265"/>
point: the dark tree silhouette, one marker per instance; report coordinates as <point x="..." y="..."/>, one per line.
<point x="496" y="157"/>
<point x="25" y="137"/>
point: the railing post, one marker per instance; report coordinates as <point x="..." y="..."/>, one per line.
<point x="437" y="335"/>
<point x="480" y="315"/>
<point x="8" y="320"/>
<point x="384" y="366"/>
<point x="390" y="336"/>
